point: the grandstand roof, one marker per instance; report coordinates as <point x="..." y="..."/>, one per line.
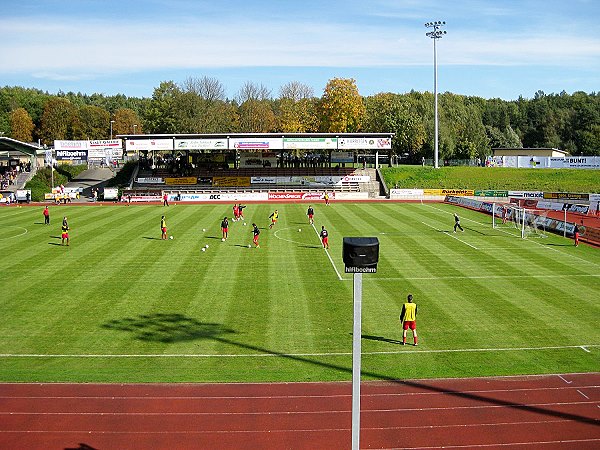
<point x="10" y="148"/>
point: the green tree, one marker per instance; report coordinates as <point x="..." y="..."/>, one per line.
<point x="387" y="112"/>
<point x="161" y="114"/>
<point x="21" y="125"/>
<point x="342" y="108"/>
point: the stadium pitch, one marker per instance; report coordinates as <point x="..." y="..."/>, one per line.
<point x="121" y="305"/>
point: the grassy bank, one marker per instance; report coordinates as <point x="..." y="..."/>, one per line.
<point x="555" y="180"/>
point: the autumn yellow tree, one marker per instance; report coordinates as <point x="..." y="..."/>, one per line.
<point x="21" y="125"/>
<point x="342" y="108"/>
<point x="126" y="122"/>
<point x="56" y="120"/>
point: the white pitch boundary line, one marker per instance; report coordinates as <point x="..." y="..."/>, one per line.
<point x="483" y="277"/>
<point x="512" y="234"/>
<point x="273" y="355"/>
<point x="328" y="255"/>
<point x="448" y="234"/>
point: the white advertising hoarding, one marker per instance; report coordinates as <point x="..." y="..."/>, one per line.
<point x="71" y="145"/>
<point x="308" y="143"/>
<point x="200" y="144"/>
<point x="148" y="144"/>
<point x="362" y="143"/>
<point x="266" y="143"/>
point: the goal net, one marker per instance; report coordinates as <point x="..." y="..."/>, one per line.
<point x="528" y="222"/>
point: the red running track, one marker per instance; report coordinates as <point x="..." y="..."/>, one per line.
<point x="529" y="412"/>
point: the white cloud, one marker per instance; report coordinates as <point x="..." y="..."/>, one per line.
<point x="67" y="49"/>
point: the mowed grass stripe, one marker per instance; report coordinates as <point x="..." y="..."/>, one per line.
<point x="137" y="294"/>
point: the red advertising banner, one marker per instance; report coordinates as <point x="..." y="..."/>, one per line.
<point x="299" y="195"/>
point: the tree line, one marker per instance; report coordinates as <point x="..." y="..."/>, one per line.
<point x="469" y="127"/>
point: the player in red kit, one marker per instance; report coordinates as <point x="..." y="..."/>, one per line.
<point x="225" y="228"/>
<point x="324" y="237"/>
<point x="256" y="232"/>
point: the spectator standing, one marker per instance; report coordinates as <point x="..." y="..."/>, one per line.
<point x="46" y="216"/>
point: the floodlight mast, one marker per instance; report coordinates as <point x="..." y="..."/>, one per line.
<point x="435" y="35"/>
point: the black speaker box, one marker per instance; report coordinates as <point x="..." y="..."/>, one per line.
<point x="361" y="251"/>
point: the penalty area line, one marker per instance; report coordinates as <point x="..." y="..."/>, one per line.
<point x="448" y="234"/>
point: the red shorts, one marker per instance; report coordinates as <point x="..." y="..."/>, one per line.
<point x="65" y="235"/>
<point x="325" y="241"/>
<point x="310" y="216"/>
<point x="255" y="240"/>
<point x="163" y="229"/>
<point x="412" y="324"/>
<point x="225" y="230"/>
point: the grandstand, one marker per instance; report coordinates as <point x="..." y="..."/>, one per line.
<point x="251" y="162"/>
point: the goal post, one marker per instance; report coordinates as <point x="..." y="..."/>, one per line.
<point x="528" y="222"/>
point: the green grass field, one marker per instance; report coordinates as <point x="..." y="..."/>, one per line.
<point x="120" y="305"/>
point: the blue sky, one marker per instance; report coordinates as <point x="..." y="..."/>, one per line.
<point x="502" y="49"/>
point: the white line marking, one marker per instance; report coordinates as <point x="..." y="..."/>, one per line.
<point x="562" y="378"/>
<point x="530" y="240"/>
<point x="584" y="349"/>
<point x="287" y="240"/>
<point x="452" y="236"/>
<point x="478" y="277"/>
<point x="281" y="354"/>
<point x="328" y="255"/>
<point x="16" y="236"/>
<point x="583" y="394"/>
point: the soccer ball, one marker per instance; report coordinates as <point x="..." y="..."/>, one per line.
<point x="249" y="245"/>
<point x="299" y="230"/>
<point x="206" y="245"/>
<point x="203" y="229"/>
<point x="171" y="237"/>
<point x="223" y="239"/>
<point x="203" y="249"/>
<point x="244" y="223"/>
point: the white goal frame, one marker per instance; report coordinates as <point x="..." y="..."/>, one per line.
<point x="527" y="221"/>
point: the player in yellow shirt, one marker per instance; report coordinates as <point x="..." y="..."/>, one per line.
<point x="408" y="319"/>
<point x="273" y="218"/>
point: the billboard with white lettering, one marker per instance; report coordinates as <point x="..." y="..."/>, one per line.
<point x="266" y="143"/>
<point x="200" y="144"/>
<point x="365" y="143"/>
<point x="309" y="143"/>
<point x="148" y="144"/>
